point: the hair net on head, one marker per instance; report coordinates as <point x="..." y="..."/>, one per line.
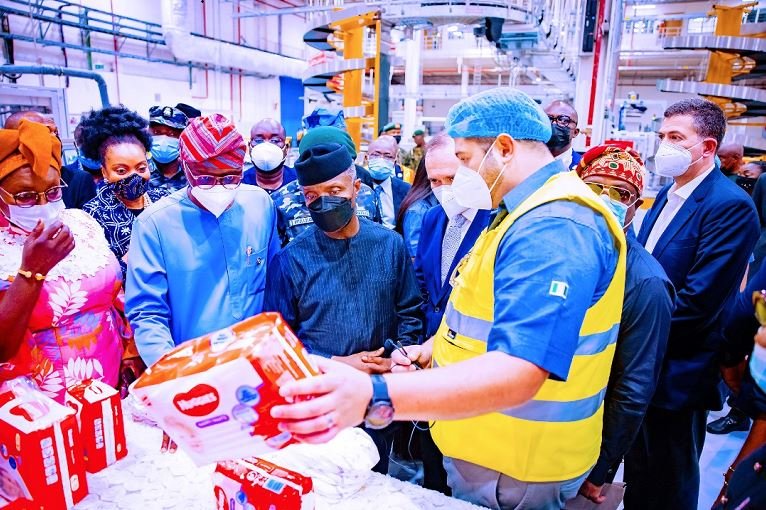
<point x="497" y="111"/>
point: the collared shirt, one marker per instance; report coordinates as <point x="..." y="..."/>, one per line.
<point x="676" y="199"/>
<point x="337" y="300"/>
<point x="641" y="344"/>
<point x="566" y="158"/>
<point x="169" y="184"/>
<point x="469" y="215"/>
<point x="116" y="219"/>
<point x="387" y="210"/>
<point x="191" y="273"/>
<point x="288" y="175"/>
<point x="561" y="244"/>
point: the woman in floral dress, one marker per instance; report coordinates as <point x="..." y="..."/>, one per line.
<point x="61" y="298"/>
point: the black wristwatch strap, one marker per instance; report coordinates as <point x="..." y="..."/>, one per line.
<point x="379" y="390"/>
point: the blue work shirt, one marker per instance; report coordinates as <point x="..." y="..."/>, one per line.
<point x="190" y="273"/>
<point x="560" y="241"/>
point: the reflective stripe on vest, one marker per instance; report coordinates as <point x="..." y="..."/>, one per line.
<point x="479" y="329"/>
<point x="556" y="436"/>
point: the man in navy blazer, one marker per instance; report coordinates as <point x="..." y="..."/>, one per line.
<point x="702" y="230"/>
<point x="389" y="189"/>
<point x="433" y="268"/>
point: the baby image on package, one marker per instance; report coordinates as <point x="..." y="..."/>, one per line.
<point x="213" y="395"/>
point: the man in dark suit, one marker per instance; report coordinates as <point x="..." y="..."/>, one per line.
<point x="389" y="189"/>
<point x="449" y="231"/>
<point x="434" y="264"/>
<point x="702" y="230"/>
<point x="564" y="120"/>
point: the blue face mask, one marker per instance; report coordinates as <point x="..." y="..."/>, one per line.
<point x="619" y="209"/>
<point x="164" y="149"/>
<point x="380" y="168"/>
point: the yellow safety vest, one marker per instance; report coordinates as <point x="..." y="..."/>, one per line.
<point x="556" y="436"/>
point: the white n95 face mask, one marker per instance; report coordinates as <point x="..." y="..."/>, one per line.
<point x="672" y="160"/>
<point x="216" y="199"/>
<point x="26" y="217"/>
<point x="470" y="189"/>
<point x="446" y="197"/>
<point x="267" y="156"/>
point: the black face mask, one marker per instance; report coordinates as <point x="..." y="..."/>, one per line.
<point x="746" y="183"/>
<point x="560" y="138"/>
<point x="398" y="138"/>
<point x="331" y="213"/>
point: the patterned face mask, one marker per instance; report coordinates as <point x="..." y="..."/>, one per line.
<point x="130" y="188"/>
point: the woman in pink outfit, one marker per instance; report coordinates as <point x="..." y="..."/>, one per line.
<point x="61" y="298"/>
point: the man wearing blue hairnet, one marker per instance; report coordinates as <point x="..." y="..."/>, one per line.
<point x="521" y="361"/>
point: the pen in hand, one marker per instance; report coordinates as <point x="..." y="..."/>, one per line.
<point x="390" y="345"/>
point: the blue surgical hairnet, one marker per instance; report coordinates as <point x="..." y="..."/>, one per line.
<point x="496" y="111"/>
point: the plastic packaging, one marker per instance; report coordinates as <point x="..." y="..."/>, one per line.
<point x="101" y="422"/>
<point x="41" y="458"/>
<point x="256" y="484"/>
<point x="213" y="395"/>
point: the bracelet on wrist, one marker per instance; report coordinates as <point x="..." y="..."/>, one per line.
<point x="32" y="276"/>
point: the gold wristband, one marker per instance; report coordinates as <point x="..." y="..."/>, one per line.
<point x="28" y="274"/>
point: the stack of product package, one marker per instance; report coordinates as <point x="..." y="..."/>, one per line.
<point x="46" y="447"/>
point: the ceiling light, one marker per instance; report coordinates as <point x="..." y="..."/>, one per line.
<point x="646" y="7"/>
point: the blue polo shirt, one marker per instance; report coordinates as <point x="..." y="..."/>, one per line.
<point x="552" y="264"/>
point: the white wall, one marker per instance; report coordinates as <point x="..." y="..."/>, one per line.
<point x="139" y="85"/>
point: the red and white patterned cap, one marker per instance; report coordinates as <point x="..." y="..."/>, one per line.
<point x="613" y="161"/>
<point x="212" y="142"/>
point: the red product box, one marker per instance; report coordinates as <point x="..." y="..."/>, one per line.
<point x="213" y="395"/>
<point x="255" y="484"/>
<point x="41" y="458"/>
<point x="102" y="427"/>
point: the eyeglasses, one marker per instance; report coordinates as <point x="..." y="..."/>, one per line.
<point x="32" y="198"/>
<point x="562" y="120"/>
<point x="759" y="303"/>
<point x="208" y="181"/>
<point x="615" y="193"/>
<point x="276" y="141"/>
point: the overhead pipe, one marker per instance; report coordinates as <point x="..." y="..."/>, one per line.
<point x="61" y="71"/>
<point x="187" y="47"/>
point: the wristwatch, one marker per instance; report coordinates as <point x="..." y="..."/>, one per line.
<point x="380" y="411"/>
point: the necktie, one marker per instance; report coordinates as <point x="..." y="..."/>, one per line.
<point x="450" y="243"/>
<point x="378" y="202"/>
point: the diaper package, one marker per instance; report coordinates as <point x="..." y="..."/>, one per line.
<point x="41" y="458"/>
<point x="213" y="395"/>
<point x="255" y="484"/>
<point x="101" y="422"/>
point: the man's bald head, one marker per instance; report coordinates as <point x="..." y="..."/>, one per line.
<point x="384" y="142"/>
<point x="731" y="155"/>
<point x="559" y="107"/>
<point x="267" y="129"/>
